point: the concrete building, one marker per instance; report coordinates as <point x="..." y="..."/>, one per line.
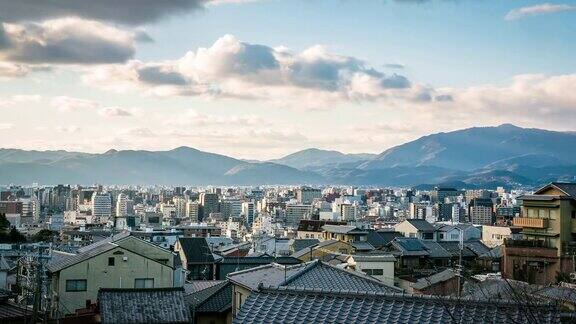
<point x="101" y="205"/>
<point x="549" y="230"/>
<point x="296" y="212"/>
<point x="481" y="211"/>
<point x="306" y="195"/>
<point x="208" y="204"/>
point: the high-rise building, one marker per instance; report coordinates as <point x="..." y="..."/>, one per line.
<point x="122" y="205"/>
<point x="306" y="195"/>
<point x="192" y="209"/>
<point x="208" y="204"/>
<point x="248" y="212"/>
<point x="294" y="213"/>
<point x="101" y="205"/>
<point x="180" y="205"/>
<point x="481" y="211"/>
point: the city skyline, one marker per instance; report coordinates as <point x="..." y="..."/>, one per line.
<point x="262" y="79"/>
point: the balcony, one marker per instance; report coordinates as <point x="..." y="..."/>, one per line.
<point x="530" y="222"/>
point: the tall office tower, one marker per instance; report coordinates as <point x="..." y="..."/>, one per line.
<point x="306" y="195"/>
<point x="348" y="212"/>
<point x="481" y="211"/>
<point x="230" y="208"/>
<point x="192" y="210"/>
<point x="248" y="212"/>
<point x="121" y="205"/>
<point x="180" y="205"/>
<point x="294" y="213"/>
<point x="208" y="204"/>
<point x="438" y="195"/>
<point x="101" y="204"/>
<point x="444" y="211"/>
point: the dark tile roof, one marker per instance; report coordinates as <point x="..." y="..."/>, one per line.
<point x="198" y="285"/>
<point x="311" y="225"/>
<point x="441" y="276"/>
<point x="477" y="247"/>
<point x="379" y="239"/>
<point x="321" y="275"/>
<point x="435" y="250"/>
<point x="454" y="249"/>
<point x="257" y="260"/>
<point x="362" y="246"/>
<point x="567" y="187"/>
<point x="407" y="246"/>
<point x="154" y="305"/>
<point x="12" y="313"/>
<point x="196" y="250"/>
<point x="421" y="225"/>
<point x="216" y="299"/>
<point x="313" y="274"/>
<point x="285" y="305"/>
<point x="299" y="244"/>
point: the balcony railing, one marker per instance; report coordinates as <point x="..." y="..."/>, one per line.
<point x="530" y="222"/>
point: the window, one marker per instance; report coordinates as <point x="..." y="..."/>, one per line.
<point x="144" y="283"/>
<point x="542" y="213"/>
<point x="378" y="272"/>
<point x="111" y="261"/>
<point x="373" y="272"/>
<point x="574" y="214"/>
<point x="76" y="285"/>
<point x="532" y="213"/>
<point x="553" y="213"/>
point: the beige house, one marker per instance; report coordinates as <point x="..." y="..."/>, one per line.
<point x="122" y="261"/>
<point x="549" y="230"/>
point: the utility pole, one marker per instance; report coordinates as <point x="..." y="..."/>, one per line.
<point x="459" y="268"/>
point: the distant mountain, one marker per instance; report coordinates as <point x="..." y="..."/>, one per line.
<point x="480" y="157"/>
<point x="313" y="158"/>
<point x="477" y="147"/>
<point x="182" y="165"/>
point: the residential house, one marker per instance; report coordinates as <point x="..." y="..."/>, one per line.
<point x="379" y="266"/>
<point x="320" y="250"/>
<point x="196" y="257"/>
<point x="458" y="232"/>
<point x="122" y="261"/>
<point x="549" y="230"/>
<point x="210" y="301"/>
<point x="312" y="275"/>
<point x="417" y="228"/>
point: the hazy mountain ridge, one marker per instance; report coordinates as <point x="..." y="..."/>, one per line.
<point x="476" y="157"/>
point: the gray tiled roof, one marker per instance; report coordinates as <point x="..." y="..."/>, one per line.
<point x="435" y="250"/>
<point x="315" y="306"/>
<point x="568" y="187"/>
<point x="342" y="229"/>
<point x="299" y="244"/>
<point x="477" y="247"/>
<point x="267" y="275"/>
<point x="321" y="275"/>
<point x="65" y="262"/>
<point x="434" y="279"/>
<point x="110" y="239"/>
<point x="155" y="305"/>
<point x="217" y="300"/>
<point x="196" y="250"/>
<point x="421" y="224"/>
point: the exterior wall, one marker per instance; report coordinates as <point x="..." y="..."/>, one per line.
<point x="310" y="235"/>
<point x="531" y="264"/>
<point x="387" y="268"/>
<point x="406" y="228"/>
<point x="494" y="236"/>
<point x="239" y="295"/>
<point x="99" y="274"/>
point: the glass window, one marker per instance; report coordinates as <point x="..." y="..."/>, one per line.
<point x="378" y="272"/>
<point x="76" y="285"/>
<point x="532" y="213"/>
<point x="367" y="271"/>
<point x="542" y="213"/>
<point x="553" y="213"/>
<point x="144" y="283"/>
<point x="111" y="261"/>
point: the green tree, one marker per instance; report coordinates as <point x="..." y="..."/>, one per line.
<point x="16" y="237"/>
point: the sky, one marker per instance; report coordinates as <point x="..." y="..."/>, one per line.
<point x="258" y="79"/>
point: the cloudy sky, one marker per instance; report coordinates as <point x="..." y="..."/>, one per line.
<point x="262" y="78"/>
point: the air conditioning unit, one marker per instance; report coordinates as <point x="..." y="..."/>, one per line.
<point x="124" y="258"/>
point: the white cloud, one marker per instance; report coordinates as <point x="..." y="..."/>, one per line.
<point x="68" y="104"/>
<point x="234" y="69"/>
<point x="67" y="129"/>
<point x="71" y="104"/>
<point x="114" y="112"/>
<point x="545" y="8"/>
<point x="66" y="41"/>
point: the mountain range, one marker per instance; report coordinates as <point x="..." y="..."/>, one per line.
<point x="487" y="157"/>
